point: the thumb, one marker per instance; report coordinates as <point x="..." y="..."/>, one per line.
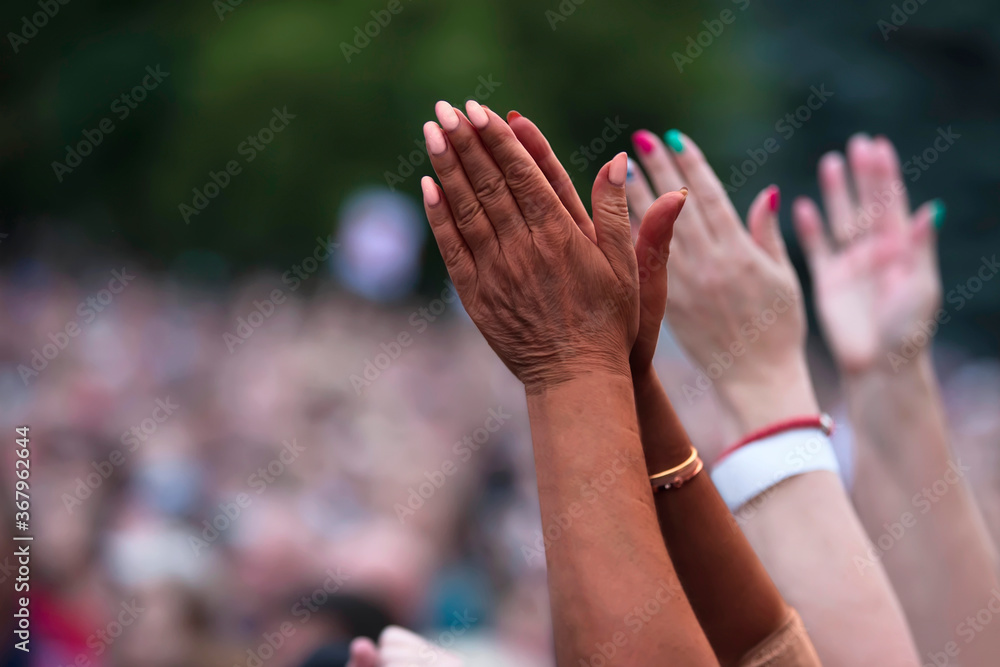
<point x="614" y="234"/>
<point x="651" y="251"/>
<point x="653" y="245"/>
<point x="363" y="653"/>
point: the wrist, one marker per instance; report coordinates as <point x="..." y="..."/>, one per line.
<point x="664" y="440"/>
<point x="785" y="392"/>
<point x="896" y="367"/>
<point x="583" y="368"/>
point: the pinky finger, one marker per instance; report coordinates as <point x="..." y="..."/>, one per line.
<point x="456" y="254"/>
<point x="812" y="236"/>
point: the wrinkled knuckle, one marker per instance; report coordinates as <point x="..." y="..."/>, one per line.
<point x="522" y="176"/>
<point x="467" y="211"/>
<point x="453" y="255"/>
<point x="491" y="189"/>
<point x="449" y="169"/>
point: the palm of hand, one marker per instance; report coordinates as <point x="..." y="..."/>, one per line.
<point x="875" y="294"/>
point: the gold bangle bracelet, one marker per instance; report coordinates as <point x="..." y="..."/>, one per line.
<point x="672" y="471"/>
<point x="678" y="476"/>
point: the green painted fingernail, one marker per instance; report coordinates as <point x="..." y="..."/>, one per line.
<point x="673" y="139"/>
<point x="938" y="213"/>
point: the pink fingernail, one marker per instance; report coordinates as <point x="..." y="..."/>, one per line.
<point x="431" y="194"/>
<point x="447" y="116"/>
<point x="476" y="114"/>
<point x="436" y="143"/>
<point x="643" y="142"/>
<point x="774" y="201"/>
<point x="618" y="169"/>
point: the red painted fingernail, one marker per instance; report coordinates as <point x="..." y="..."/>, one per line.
<point x="643" y="142"/>
<point x="511" y="115"/>
<point x="775" y="198"/>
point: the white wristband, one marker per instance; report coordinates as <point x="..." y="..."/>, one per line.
<point x="759" y="465"/>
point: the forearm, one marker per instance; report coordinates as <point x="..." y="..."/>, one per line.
<point x="920" y="515"/>
<point x="713" y="559"/>
<point x="807" y="535"/>
<point x="607" y="566"/>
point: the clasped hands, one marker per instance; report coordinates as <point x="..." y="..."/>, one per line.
<point x="555" y="292"/>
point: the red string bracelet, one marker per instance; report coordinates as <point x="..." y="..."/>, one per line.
<point x="823" y="422"/>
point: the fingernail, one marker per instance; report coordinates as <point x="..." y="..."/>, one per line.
<point x="774" y="201"/>
<point x="436" y="143"/>
<point x="616" y="173"/>
<point x="476" y="114"/>
<point x="447" y="116"/>
<point x="630" y="170"/>
<point x="937" y="218"/>
<point x="431" y="194"/>
<point x="684" y="191"/>
<point x="511" y="115"/>
<point x="673" y="139"/>
<point x="643" y="142"/>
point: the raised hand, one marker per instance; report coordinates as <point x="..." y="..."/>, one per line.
<point x="554" y="296"/>
<point x="735" y="301"/>
<point x="876" y="282"/>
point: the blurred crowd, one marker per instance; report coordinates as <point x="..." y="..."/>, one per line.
<point x="344" y="466"/>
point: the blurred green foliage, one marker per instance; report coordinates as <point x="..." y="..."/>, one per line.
<point x="230" y="64"/>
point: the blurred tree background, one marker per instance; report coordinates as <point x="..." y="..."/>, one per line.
<point x="904" y="69"/>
